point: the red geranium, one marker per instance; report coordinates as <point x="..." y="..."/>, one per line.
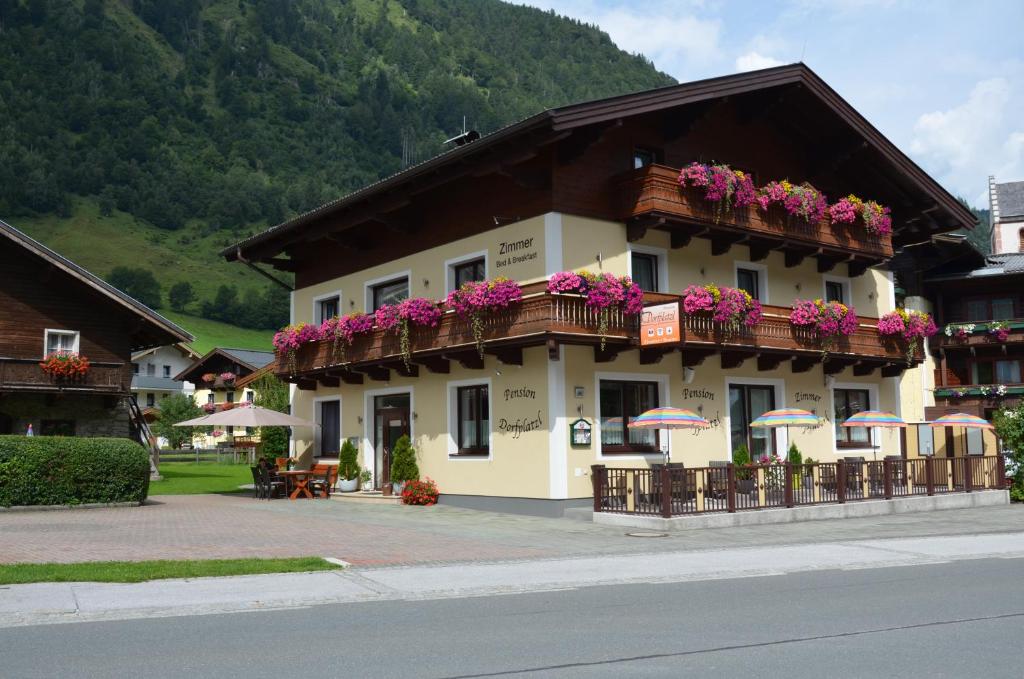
<point x="418" y="492"/>
<point x="66" y="364"/>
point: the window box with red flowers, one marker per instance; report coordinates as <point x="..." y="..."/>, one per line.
<point x="66" y="366"/>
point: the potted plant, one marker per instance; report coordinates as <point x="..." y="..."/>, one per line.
<point x="809" y="468"/>
<point x="403" y="464"/>
<point x="795" y="458"/>
<point x="744" y="475"/>
<point x="348" y="468"/>
<point x="366" y="479"/>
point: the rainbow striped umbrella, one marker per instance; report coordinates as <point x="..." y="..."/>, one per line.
<point x="785" y="417"/>
<point x="962" y="420"/>
<point x="668" y="418"/>
<point x="874" y="418"/>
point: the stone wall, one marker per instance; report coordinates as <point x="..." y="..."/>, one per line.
<point x="92" y="415"/>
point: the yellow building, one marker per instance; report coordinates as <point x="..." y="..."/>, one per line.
<point x="596" y="187"/>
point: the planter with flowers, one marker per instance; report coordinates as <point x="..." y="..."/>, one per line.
<point x="476" y="300"/>
<point x="209" y="378"/>
<point x="400" y="318"/>
<point x="228" y="378"/>
<point x="343" y="331"/>
<point x="209" y="408"/>
<point x="959" y="331"/>
<point x="1000" y="330"/>
<point x="875" y="217"/>
<point x="65" y="366"/>
<point x="721" y="185"/>
<point x="417" y="492"/>
<point x="992" y="390"/>
<point x="288" y="340"/>
<point x="910" y="326"/>
<point x="216" y="433"/>
<point x="603" y="293"/>
<point x="802" y="201"/>
<point x="828" y="321"/>
<point x="732" y="308"/>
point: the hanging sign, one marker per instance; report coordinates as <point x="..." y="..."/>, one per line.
<point x="580" y="433"/>
<point x="659" y="324"/>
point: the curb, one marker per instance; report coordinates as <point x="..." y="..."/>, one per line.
<point x="57" y="508"/>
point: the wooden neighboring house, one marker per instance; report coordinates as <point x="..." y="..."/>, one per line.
<point x="221" y="381"/>
<point x="50" y="305"/>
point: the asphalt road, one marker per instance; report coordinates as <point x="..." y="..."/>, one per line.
<point x="959" y="619"/>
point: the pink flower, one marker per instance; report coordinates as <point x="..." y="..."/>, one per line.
<point x="567" y="281"/>
<point x="843" y="212"/>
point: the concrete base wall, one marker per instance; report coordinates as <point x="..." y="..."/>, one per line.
<point x="515" y="505"/>
<point x="981" y="498"/>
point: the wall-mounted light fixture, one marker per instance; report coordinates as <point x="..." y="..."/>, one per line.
<point x="797" y="286"/>
<point x="600" y="260"/>
<point x="830" y="380"/>
<point x="359" y="419"/>
<point x="702" y="271"/>
<point x="352" y="303"/>
<point x="579" y="391"/>
<point x="426" y="283"/>
<point x="415" y="415"/>
<point x="498" y="373"/>
<point x="688" y="374"/>
<point x="871" y="295"/>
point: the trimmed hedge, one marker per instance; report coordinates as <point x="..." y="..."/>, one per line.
<point x="62" y="470"/>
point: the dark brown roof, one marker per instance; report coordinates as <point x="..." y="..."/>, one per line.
<point x="548" y="125"/>
<point x="170" y="332"/>
<point x="246" y="358"/>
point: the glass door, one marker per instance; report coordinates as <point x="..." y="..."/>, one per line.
<point x="747" y="402"/>
<point x="391" y="422"/>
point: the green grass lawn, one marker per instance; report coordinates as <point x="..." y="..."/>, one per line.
<point x="140" y="571"/>
<point x="210" y="334"/>
<point x="189" y="478"/>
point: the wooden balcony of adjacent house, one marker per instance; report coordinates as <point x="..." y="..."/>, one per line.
<point x="545" y="319"/>
<point x="25" y="375"/>
<point x="955" y="386"/>
<point x="650" y="197"/>
<point x="982" y="335"/>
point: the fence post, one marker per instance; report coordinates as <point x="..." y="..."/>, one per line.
<point x="762" y="494"/>
<point x="597" y="478"/>
<point x="730" y="488"/>
<point x="968" y="474"/>
<point x="816" y="483"/>
<point x="1000" y="480"/>
<point x="865" y="480"/>
<point x="929" y="476"/>
<point x="841" y="481"/>
<point x="788" y="478"/>
<point x="887" y="478"/>
<point x="666" y="492"/>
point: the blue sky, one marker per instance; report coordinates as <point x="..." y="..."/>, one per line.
<point x="943" y="80"/>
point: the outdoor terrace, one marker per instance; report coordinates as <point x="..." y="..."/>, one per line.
<point x="650" y="197"/>
<point x="24" y="374"/>
<point x="545" y="319"/>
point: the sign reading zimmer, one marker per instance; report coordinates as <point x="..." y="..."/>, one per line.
<point x="515" y="252"/>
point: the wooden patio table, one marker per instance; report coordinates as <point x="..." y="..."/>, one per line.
<point x="300" y="478"/>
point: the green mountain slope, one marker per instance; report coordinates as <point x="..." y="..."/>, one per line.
<point x="150" y="133"/>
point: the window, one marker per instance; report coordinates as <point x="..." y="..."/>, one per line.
<point x="135" y="368"/>
<point x="996" y="372"/>
<point x="250" y="396"/>
<point x="167" y="371"/>
<point x="57" y="428"/>
<point x="645" y="270"/>
<point x="474" y="421"/>
<point x="61" y="340"/>
<point x="747" y="402"/>
<point x="991" y="309"/>
<point x="327" y="308"/>
<point x="468" y="272"/>
<point x="1002" y="308"/>
<point x="642" y="157"/>
<point x="150" y="370"/>
<point x="850" y="402"/>
<point x="835" y="292"/>
<point x="975" y="442"/>
<point x="230" y="396"/>
<point x="231" y="430"/>
<point x="925" y="440"/>
<point x="391" y="292"/>
<point x="748" y="280"/>
<point x="150" y="400"/>
<point x="621" y="403"/>
<point x="210" y="398"/>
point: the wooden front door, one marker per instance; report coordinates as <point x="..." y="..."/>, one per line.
<point x="391" y="422"/>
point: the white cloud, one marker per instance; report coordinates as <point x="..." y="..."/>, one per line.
<point x="964" y="144"/>
<point x="752" y="61"/>
<point x="665" y="37"/>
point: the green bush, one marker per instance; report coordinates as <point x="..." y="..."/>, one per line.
<point x="58" y="470"/>
<point x="348" y="464"/>
<point x="741" y="458"/>
<point x="794" y="456"/>
<point x="403" y="461"/>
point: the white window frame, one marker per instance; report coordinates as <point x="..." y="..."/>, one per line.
<point x="660" y="253"/>
<point x="873" y="404"/>
<point x="58" y="331"/>
<point x="369" y="285"/>
<point x="762" y="278"/>
<point x="316" y="305"/>
<point x="664" y="400"/>
<point x="450" y="264"/>
<point x="779" y="386"/>
<point x="317" y="401"/>
<point x="453" y="417"/>
<point x="369" y="454"/>
<point x="845" y="281"/>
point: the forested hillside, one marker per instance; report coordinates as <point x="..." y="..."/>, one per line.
<point x="149" y="133"/>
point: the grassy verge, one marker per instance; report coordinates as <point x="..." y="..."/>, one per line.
<point x="189" y="478"/>
<point x="141" y="571"/>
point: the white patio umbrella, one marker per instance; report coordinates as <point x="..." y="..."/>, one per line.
<point x="247" y="416"/>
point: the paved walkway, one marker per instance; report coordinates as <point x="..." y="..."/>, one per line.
<point x="230" y="526"/>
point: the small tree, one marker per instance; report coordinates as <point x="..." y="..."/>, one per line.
<point x="272" y="393"/>
<point x="181" y="295"/>
<point x="741" y="458"/>
<point x="173" y="409"/>
<point x="794" y="456"/>
<point x="403" y="461"/>
<point x="1010" y="430"/>
<point x="348" y="463"/>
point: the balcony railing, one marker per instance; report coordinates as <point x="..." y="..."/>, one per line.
<point x="702" y="490"/>
<point x="21" y="374"/>
<point x="980" y="336"/>
<point x="544" y="318"/>
<point x="977" y="391"/>
<point x="654" y="191"/>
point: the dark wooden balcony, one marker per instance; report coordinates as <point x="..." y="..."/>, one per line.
<point x="24" y="374"/>
<point x="650" y="197"/>
<point x="980" y="337"/>
<point x="544" y="319"/>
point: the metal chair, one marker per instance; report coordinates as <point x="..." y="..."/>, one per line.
<point x="257" y="483"/>
<point x="269" y="484"/>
